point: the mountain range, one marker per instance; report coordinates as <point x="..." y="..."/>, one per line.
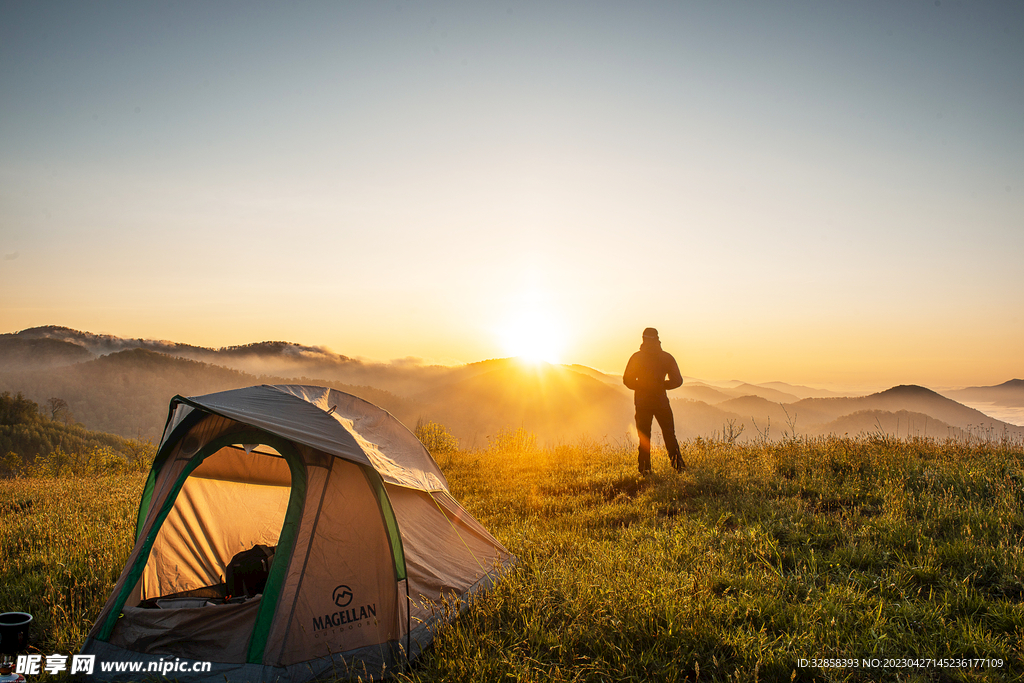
<point x="123" y="386"/>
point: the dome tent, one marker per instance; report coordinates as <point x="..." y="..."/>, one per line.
<point x="366" y="542"/>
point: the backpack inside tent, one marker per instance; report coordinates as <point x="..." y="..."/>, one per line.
<point x="288" y="533"/>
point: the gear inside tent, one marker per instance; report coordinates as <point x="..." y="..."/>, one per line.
<point x="288" y="533"/>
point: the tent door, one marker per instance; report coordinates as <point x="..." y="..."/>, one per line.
<point x="206" y="549"/>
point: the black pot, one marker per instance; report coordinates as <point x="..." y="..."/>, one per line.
<point x="14" y="632"/>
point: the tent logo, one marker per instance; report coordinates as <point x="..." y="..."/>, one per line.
<point x="351" y="616"/>
<point x="342" y="596"/>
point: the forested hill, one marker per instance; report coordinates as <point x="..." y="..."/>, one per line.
<point x="29" y="432"/>
<point x="17" y="353"/>
<point x="128" y="393"/>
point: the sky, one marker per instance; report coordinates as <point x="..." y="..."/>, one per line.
<point x="823" y="193"/>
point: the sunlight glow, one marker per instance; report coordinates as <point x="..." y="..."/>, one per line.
<point x="533" y="335"/>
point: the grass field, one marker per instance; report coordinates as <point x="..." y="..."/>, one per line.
<point x="753" y="559"/>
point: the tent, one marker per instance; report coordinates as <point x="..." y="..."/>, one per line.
<point x="361" y="550"/>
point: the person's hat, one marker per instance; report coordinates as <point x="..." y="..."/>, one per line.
<point x="650" y="332"/>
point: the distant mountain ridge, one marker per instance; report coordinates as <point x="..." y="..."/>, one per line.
<point x="128" y="392"/>
<point x="906" y="411"/>
<point x="123" y="386"/>
<point x="19" y="353"/>
<point x="799" y="391"/>
<point x="277" y="358"/>
<point x="105" y="344"/>
<point x="98" y="344"/>
<point x="1009" y="393"/>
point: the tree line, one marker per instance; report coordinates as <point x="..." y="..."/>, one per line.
<point x="47" y="442"/>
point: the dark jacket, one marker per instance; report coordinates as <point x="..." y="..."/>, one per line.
<point x="651" y="372"/>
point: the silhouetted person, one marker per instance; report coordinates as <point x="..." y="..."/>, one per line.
<point x="650" y="373"/>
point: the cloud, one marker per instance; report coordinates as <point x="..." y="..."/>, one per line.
<point x="11" y="256"/>
<point x="407" y="362"/>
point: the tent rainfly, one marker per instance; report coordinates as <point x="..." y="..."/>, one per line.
<point x="289" y="533"/>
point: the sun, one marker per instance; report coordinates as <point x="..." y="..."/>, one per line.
<point x="533" y="334"/>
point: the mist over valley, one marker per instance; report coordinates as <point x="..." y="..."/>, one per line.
<point x="123" y="386"/>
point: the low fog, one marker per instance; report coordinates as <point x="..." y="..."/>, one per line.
<point x="123" y="386"/>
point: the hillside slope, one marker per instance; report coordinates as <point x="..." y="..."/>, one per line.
<point x="552" y="401"/>
<point x="128" y="392"/>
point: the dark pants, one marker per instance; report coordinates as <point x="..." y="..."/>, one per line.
<point x="645" y="415"/>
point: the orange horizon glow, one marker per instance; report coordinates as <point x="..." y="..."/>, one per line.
<point x="830" y="359"/>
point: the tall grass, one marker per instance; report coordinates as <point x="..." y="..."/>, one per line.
<point x="63" y="543"/>
<point x="752" y="559"/>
